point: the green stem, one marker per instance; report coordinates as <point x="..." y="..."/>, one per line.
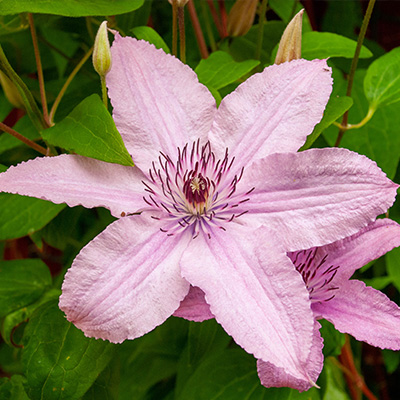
<point x="174" y="28"/>
<point x="23" y="139"/>
<point x="39" y="69"/>
<point x="104" y="91"/>
<point x="89" y="28"/>
<point x="182" y="38"/>
<point x="209" y="31"/>
<point x="67" y="83"/>
<point x="29" y="102"/>
<point x="371" y="112"/>
<point x="260" y="32"/>
<point x="353" y="67"/>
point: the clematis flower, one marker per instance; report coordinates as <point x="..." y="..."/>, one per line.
<point x="352" y="307"/>
<point x="222" y="196"/>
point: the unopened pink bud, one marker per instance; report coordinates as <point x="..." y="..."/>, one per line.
<point x="101" y="51"/>
<point x="11" y="91"/>
<point x="241" y="17"/>
<point x="179" y="3"/>
<point x="290" y="44"/>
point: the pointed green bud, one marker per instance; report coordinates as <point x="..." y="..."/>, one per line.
<point x="290" y="44"/>
<point x="241" y="17"/>
<point x="101" y="51"/>
<point x="11" y="91"/>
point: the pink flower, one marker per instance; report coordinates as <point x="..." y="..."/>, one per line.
<point x="350" y="305"/>
<point x="223" y="197"/>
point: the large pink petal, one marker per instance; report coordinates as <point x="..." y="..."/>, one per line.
<point x="194" y="307"/>
<point x="158" y="102"/>
<point x="353" y="252"/>
<point x="274" y="111"/>
<point x="126" y="281"/>
<point x="364" y="313"/>
<point x="255" y="293"/>
<point x="272" y="376"/>
<point x="77" y="180"/>
<point x="317" y="196"/>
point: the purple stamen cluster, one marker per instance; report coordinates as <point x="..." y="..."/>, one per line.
<point x="317" y="275"/>
<point x="197" y="192"/>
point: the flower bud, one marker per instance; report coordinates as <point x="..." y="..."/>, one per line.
<point x="101" y="52"/>
<point x="290" y="44"/>
<point x="11" y="91"/>
<point x="179" y="3"/>
<point x="241" y="17"/>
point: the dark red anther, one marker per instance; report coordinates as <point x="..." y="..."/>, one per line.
<point x="196" y="188"/>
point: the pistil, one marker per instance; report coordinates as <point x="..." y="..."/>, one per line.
<point x="197" y="192"/>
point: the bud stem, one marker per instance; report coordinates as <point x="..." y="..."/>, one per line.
<point x="208" y="28"/>
<point x="39" y="69"/>
<point x="23" y="139"/>
<point x="104" y="90"/>
<point x="30" y="104"/>
<point x="353" y="67"/>
<point x="174" y="28"/>
<point x="197" y="29"/>
<point x="67" y="83"/>
<point x="216" y="18"/>
<point x="260" y="33"/>
<point x="182" y="38"/>
<point x="224" y="18"/>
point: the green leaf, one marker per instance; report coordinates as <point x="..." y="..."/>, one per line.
<point x="21" y="215"/>
<point x="326" y="44"/>
<point x="151" y="359"/>
<point x="10" y="25"/>
<point x="21" y="283"/>
<point x="10" y="360"/>
<point x="335" y="108"/>
<point x="69" y="8"/>
<point x="392" y="360"/>
<point x="23" y="126"/>
<point x="287" y="9"/>
<point x="89" y="130"/>
<point x="393" y="266"/>
<point x="232" y="374"/>
<point x="220" y="69"/>
<point x="244" y="47"/>
<point x="379" y="139"/>
<point x="13" y="388"/>
<point x="204" y="339"/>
<point x="379" y="282"/>
<point x="150" y="35"/>
<point x="333" y="340"/>
<point x="284" y="9"/>
<point x="17" y="318"/>
<point x="334" y="386"/>
<point x="139" y="17"/>
<point x="382" y="81"/>
<point x="59" y="39"/>
<point x="60" y="362"/>
<point x="106" y="385"/>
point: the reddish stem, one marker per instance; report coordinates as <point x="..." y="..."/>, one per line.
<point x="28" y="142"/>
<point x="354" y="380"/>
<point x="197" y="29"/>
<point x="215" y="16"/>
<point x="224" y="18"/>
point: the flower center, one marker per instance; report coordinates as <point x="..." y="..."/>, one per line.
<point x="196" y="189"/>
<point x="197" y="192"/>
<point x="316" y="274"/>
